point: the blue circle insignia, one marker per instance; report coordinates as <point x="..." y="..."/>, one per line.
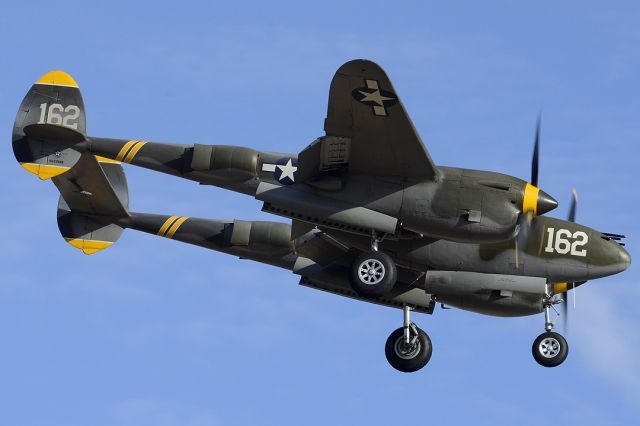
<point x="286" y="170"/>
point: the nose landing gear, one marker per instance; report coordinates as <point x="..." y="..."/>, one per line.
<point x="550" y="349"/>
<point x="408" y="348"/>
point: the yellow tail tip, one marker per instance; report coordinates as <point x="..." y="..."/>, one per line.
<point x="88" y="246"/>
<point x="57" y="78"/>
<point x="44" y="171"/>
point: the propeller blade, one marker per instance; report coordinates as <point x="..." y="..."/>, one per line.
<point x="571" y="217"/>
<point x="565" y="309"/>
<point x="524" y="228"/>
<point x="536" y="154"/>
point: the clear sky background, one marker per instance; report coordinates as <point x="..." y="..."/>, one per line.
<point x="154" y="332"/>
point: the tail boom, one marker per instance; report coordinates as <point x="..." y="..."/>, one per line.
<point x="267" y="242"/>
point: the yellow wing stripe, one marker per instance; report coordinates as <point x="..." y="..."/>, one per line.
<point x="530" y="200"/>
<point x="175" y="226"/>
<point x="88" y="246"/>
<point x="44" y="171"/>
<point x="134" y="151"/>
<point x="57" y="78"/>
<point x="124" y="150"/>
<point x="166" y="225"/>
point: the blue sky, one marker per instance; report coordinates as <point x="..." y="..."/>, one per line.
<point x="153" y="332"/>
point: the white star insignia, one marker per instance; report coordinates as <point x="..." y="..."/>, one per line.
<point x="287" y="170"/>
<point x="374" y="97"/>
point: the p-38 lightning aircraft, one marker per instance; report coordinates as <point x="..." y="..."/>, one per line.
<point x="372" y="217"/>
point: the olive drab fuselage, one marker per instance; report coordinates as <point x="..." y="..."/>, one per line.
<point x="368" y="183"/>
<point x="371" y="216"/>
<point x="557" y="249"/>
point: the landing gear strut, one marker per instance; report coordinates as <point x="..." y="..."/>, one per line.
<point x="373" y="273"/>
<point x="550" y="349"/>
<point x="408" y="348"/>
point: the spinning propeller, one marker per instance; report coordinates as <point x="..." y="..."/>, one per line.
<point x="571" y="217"/>
<point x="535" y="201"/>
<point x="541" y="204"/>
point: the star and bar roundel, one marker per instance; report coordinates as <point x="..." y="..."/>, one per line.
<point x="375" y="97"/>
<point x="284" y="170"/>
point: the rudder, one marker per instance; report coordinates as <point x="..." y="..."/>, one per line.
<point x="50" y="120"/>
<point x="85" y="232"/>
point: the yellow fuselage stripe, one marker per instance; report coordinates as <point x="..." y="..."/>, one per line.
<point x="175" y="226"/>
<point x="124" y="150"/>
<point x="166" y="225"/>
<point x="530" y="200"/>
<point x="134" y="151"/>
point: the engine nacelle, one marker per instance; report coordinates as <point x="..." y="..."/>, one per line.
<point x="258" y="237"/>
<point x="489" y="294"/>
<point x="471" y="206"/>
<point x="233" y="163"/>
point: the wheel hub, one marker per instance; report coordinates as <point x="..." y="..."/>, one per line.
<point x="549" y="347"/>
<point x="406" y="350"/>
<point x="371" y="272"/>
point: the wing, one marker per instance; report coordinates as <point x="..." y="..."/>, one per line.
<point x="365" y="109"/>
<point x="324" y="263"/>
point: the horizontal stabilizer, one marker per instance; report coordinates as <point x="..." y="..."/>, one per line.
<point x="95" y="188"/>
<point x="54" y="133"/>
<point x="93" y="197"/>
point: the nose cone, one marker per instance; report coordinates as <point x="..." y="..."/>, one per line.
<point x="625" y="259"/>
<point x="620" y="259"/>
<point x="546" y="203"/>
<point x="608" y="258"/>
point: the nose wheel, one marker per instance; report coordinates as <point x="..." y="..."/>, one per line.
<point x="408" y="348"/>
<point x="550" y="349"/>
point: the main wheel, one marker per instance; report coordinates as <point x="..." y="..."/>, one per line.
<point x="408" y="357"/>
<point x="550" y="349"/>
<point x="373" y="274"/>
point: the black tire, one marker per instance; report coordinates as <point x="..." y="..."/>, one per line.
<point x="373" y="274"/>
<point x="550" y="349"/>
<point x="413" y="359"/>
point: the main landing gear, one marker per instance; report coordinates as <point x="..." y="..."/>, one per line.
<point x="550" y="349"/>
<point x="408" y="349"/>
<point x="373" y="273"/>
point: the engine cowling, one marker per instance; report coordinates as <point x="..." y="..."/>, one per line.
<point x="233" y="163"/>
<point x="471" y="206"/>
